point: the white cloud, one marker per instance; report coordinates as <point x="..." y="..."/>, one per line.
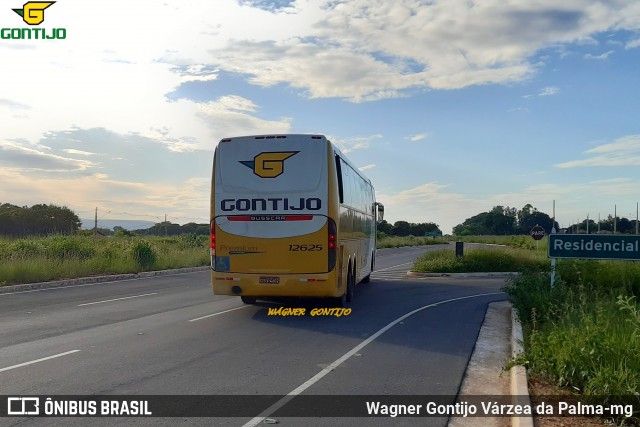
<point x="115" y="72"/>
<point x="624" y="151"/>
<point x="367" y="167"/>
<point x="429" y="202"/>
<point x="600" y="57"/>
<point x="626" y="144"/>
<point x="631" y="44"/>
<point x="127" y="173"/>
<point x="27" y="158"/>
<point x="228" y="116"/>
<point x="356" y="143"/>
<point x="418" y="44"/>
<point x="549" y="90"/>
<point x="13" y="104"/>
<point x="78" y="152"/>
<point x="83" y="194"/>
<point x="434" y="202"/>
<point x="417" y="137"/>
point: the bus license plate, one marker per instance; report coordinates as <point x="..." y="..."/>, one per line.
<point x="270" y="280"/>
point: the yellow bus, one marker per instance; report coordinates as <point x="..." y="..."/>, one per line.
<point x="290" y="217"/>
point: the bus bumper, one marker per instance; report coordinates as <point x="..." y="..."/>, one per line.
<point x="264" y="285"/>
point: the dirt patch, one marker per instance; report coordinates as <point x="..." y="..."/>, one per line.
<point x="538" y="388"/>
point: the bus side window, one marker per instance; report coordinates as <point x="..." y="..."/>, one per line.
<point x="340" y="181"/>
<point x="346" y="182"/>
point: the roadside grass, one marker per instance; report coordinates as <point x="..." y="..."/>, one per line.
<point x="584" y="333"/>
<point x="38" y="259"/>
<point x="481" y="260"/>
<point x="397" y="242"/>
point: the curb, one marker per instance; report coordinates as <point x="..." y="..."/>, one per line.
<point x="97" y="279"/>
<point x="419" y="275"/>
<point x="519" y="388"/>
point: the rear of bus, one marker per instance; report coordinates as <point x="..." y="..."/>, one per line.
<point x="271" y="232"/>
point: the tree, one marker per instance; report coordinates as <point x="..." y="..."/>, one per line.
<point x="538" y="218"/>
<point x="385" y="227"/>
<point x="38" y="219"/>
<point x="401" y="228"/>
<point x="122" y="232"/>
<point x="502" y="220"/>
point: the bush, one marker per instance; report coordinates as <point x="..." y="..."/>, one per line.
<point x="70" y="247"/>
<point x="143" y="254"/>
<point x="26" y="249"/>
<point x="479" y="260"/>
<point x="396" y="242"/>
<point x="192" y="240"/>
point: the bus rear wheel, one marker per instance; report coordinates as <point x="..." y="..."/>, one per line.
<point x="340" y="301"/>
<point x="351" y="284"/>
<point x="347" y="297"/>
<point x="367" y="278"/>
<point x="248" y="300"/>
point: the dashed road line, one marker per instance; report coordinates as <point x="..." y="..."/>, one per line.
<point x="216" y="314"/>
<point x="38" y="360"/>
<point x="117" y="299"/>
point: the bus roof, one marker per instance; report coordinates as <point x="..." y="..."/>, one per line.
<point x="275" y="136"/>
<point x="300" y="135"/>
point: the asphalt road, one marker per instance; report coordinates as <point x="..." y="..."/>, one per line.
<point x="170" y="336"/>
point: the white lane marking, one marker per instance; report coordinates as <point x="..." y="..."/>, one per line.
<point x="215" y="314"/>
<point x="280" y="403"/>
<point x="57" y="288"/>
<point x="117" y="299"/>
<point x="36" y="361"/>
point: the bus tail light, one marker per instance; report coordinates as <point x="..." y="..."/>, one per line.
<point x="212" y="245"/>
<point x="332" y="242"/>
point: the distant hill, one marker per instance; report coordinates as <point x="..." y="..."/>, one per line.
<point x="127" y="224"/>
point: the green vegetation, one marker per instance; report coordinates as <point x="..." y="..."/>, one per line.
<point x="49" y="258"/>
<point x="584" y="333"/>
<point x="39" y="259"/>
<point x="37" y="220"/>
<point x="396" y="242"/>
<point x="405" y="229"/>
<point x="481" y="260"/>
<point x="505" y="221"/>
<point x="523" y="242"/>
<point x="510" y="221"/>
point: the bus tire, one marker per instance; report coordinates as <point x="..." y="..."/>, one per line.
<point x="339" y="301"/>
<point x="351" y="282"/>
<point x="367" y="278"/>
<point x="248" y="300"/>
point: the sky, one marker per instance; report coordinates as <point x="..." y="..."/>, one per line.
<point x="450" y="107"/>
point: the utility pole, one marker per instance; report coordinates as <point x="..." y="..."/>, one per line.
<point x="95" y="225"/>
<point x="165" y="224"/>
<point x="553" y="231"/>
<point x="615" y="218"/>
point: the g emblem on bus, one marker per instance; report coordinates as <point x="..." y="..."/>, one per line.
<point x="269" y="164"/>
